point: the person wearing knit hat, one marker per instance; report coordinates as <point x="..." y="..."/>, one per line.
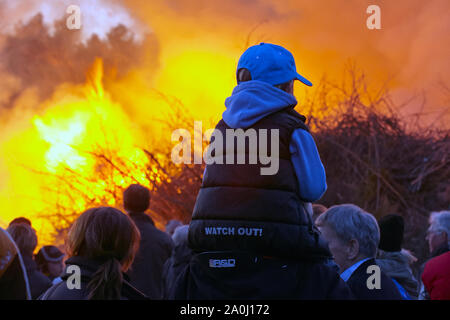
<point x="392" y="259"/>
<point x="391" y="232"/>
<point x="50" y="261"/>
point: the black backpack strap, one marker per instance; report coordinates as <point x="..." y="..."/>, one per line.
<point x="132" y="293"/>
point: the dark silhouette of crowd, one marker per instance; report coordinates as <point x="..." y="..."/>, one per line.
<point x="251" y="236"/>
<point x="124" y="256"/>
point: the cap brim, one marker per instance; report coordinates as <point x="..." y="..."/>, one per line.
<point x="304" y="80"/>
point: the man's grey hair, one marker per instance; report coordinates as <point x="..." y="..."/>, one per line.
<point x="349" y="222"/>
<point x="180" y="235"/>
<point x="440" y="222"/>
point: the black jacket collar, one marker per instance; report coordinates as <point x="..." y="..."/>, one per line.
<point x="89" y="266"/>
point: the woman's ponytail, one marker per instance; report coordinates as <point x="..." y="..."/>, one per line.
<point x="106" y="283"/>
<point x="107" y="235"/>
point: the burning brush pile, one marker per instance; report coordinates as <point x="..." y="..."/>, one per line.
<point x="379" y="160"/>
<point x="373" y="158"/>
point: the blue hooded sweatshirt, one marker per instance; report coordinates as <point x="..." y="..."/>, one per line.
<point x="253" y="100"/>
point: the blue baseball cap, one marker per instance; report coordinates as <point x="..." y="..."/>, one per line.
<point x="270" y="63"/>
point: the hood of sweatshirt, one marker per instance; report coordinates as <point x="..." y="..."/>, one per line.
<point x="253" y="100"/>
<point x="395" y="265"/>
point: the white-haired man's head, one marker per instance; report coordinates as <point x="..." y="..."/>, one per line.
<point x="352" y="234"/>
<point x="180" y="235"/>
<point x="438" y="234"/>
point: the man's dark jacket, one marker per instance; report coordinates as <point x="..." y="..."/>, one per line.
<point x="358" y="284"/>
<point x="154" y="249"/>
<point x="181" y="255"/>
<point x="251" y="235"/>
<point x="39" y="283"/>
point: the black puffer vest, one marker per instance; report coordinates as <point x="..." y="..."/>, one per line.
<point x="237" y="208"/>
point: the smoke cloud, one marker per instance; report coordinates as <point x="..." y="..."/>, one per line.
<point x="410" y="51"/>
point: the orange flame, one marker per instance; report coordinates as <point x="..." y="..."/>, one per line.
<point x="64" y="137"/>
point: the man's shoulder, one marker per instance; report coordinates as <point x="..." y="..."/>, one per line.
<point x="153" y="230"/>
<point x="358" y="282"/>
<point x="361" y="271"/>
<point x="163" y="236"/>
<point x="150" y="233"/>
<point x="365" y="270"/>
<point x="144" y="223"/>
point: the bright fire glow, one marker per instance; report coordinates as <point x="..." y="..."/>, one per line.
<point x="62" y="137"/>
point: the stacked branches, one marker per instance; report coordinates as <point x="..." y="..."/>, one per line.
<point x="378" y="159"/>
<point x="373" y="158"/>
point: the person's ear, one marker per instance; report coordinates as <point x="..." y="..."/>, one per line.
<point x="243" y="75"/>
<point x="353" y="249"/>
<point x="445" y="236"/>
